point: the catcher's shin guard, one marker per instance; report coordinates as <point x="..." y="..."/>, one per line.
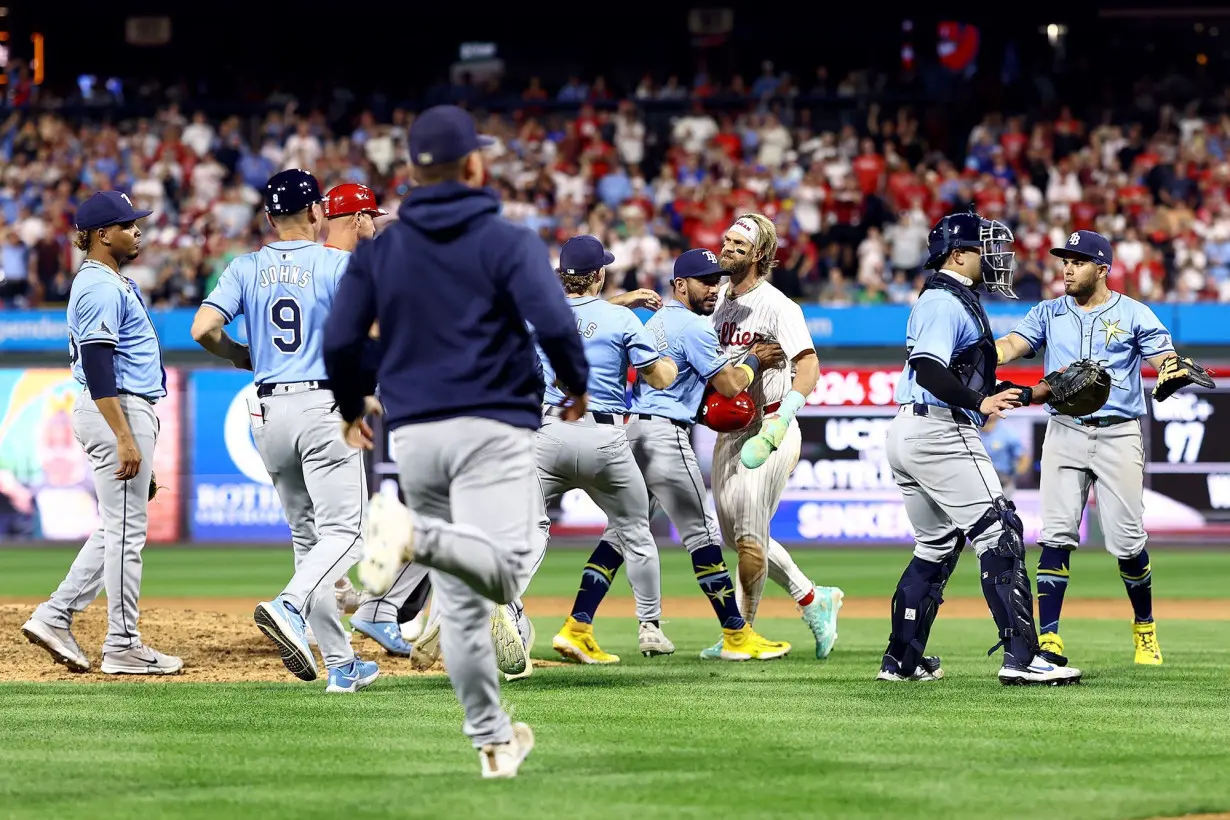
<point x="915" y="605"/>
<point x="1005" y="584"/>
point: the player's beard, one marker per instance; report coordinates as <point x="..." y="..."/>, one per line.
<point x="735" y="265"/>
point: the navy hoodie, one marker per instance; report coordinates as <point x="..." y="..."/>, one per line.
<point x="452" y="284"/>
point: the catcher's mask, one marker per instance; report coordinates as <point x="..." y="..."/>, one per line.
<point x="989" y="236"/>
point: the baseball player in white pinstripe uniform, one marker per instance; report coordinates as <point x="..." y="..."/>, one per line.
<point x="751" y="466"/>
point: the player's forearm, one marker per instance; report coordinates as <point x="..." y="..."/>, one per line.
<point x="208" y="332"/>
<point x="661" y="374"/>
<point x="806" y="374"/>
<point x="1160" y="359"/>
<point x="113" y="412"/>
<point x="940" y="382"/>
<point x="1011" y="347"/>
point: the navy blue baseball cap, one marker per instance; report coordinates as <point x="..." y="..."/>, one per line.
<point x="697" y="262"/>
<point x="1086" y="245"/>
<point x="583" y="254"/>
<point x="291" y="191"/>
<point x="444" y="133"/>
<point x="107" y="208"/>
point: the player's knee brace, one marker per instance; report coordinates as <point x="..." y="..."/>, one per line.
<point x="915" y="605"/>
<point x="1011" y="543"/>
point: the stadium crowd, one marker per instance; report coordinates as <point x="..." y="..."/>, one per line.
<point x="853" y="204"/>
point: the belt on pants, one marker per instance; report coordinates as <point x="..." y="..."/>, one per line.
<point x="123" y="392"/>
<point x="601" y="418"/>
<point x="1103" y="421"/>
<point x="941" y="413"/>
<point x="683" y="425"/>
<point x="268" y="389"/>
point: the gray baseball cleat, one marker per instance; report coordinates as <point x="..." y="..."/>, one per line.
<point x="59" y="643"/>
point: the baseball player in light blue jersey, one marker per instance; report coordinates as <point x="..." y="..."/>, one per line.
<point x="284" y="292"/>
<point x="114" y="353"/>
<point x="592" y="454"/>
<point x="1103" y="451"/>
<point x="660" y="436"/>
<point x="950" y="490"/>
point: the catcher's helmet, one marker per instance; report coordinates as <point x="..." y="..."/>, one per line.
<point x="352" y="198"/>
<point x="291" y="191"/>
<point x="727" y="415"/>
<point x="988" y="236"/>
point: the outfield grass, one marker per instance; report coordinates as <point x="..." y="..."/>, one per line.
<point x="673" y="737"/>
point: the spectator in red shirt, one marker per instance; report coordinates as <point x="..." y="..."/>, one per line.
<point x="869" y="168"/>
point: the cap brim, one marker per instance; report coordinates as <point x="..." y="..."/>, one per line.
<point x="140" y="214"/>
<point x="485" y="141"/>
<point x="1068" y="253"/>
<point x="607" y="257"/>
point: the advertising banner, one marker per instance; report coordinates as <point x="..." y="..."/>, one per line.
<point x="232" y="496"/>
<point x="46" y="479"/>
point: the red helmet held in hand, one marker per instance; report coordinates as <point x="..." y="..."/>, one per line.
<point x="727" y="415"/>
<point x="352" y="198"/>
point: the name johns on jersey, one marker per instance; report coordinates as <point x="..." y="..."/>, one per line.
<point x="285" y="275"/>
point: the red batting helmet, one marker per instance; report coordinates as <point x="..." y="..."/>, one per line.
<point x="727" y="415"/>
<point x="351" y="198"/>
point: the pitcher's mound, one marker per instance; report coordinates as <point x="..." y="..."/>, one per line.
<point x="216" y="647"/>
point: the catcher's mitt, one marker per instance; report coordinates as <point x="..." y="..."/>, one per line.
<point x="1176" y="372"/>
<point x="1079" y="389"/>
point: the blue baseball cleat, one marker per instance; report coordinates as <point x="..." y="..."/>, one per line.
<point x="353" y="676"/>
<point x="288" y="631"/>
<point x="387" y="634"/>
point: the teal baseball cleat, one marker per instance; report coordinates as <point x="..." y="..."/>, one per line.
<point x="821" y="617"/>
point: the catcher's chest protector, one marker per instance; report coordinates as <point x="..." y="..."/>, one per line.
<point x="975" y="367"/>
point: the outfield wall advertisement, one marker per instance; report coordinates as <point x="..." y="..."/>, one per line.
<point x="216" y="490"/>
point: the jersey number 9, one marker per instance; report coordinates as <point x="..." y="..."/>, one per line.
<point x="286" y="316"/>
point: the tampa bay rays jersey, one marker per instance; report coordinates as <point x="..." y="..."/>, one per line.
<point x="692" y="342"/>
<point x="105" y="307"/>
<point x="284" y="292"/>
<point x="1119" y="334"/>
<point x="613" y="338"/>
<point x="939" y="328"/>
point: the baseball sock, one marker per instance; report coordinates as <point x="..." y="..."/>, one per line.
<point x="596" y="579"/>
<point x="1052" y="584"/>
<point x="714" y="580"/>
<point x="1137" y="576"/>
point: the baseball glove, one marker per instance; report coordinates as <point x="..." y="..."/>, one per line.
<point x="1079" y="389"/>
<point x="1176" y="372"/>
<point x="153" y="485"/>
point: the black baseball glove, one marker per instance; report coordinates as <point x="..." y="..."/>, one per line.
<point x="1027" y="393"/>
<point x="1177" y="372"/>
<point x="153" y="485"/>
<point x="1080" y="389"/>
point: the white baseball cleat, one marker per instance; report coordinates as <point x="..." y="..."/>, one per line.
<point x="388" y="543"/>
<point x="58" y="642"/>
<point x="510" y="655"/>
<point x="427" y="647"/>
<point x="140" y="660"/>
<point x="505" y="759"/>
<point x="346" y="595"/>
<point x="412" y="630"/>
<point x="653" y="641"/>
<point x="1040" y="672"/>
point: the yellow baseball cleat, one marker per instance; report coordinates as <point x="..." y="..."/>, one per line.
<point x="1050" y="642"/>
<point x="576" y="642"/>
<point x="1148" y="652"/>
<point x="745" y="645"/>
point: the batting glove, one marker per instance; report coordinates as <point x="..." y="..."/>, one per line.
<point x="758" y="448"/>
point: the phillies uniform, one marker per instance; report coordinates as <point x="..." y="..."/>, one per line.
<point x="747" y="499"/>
